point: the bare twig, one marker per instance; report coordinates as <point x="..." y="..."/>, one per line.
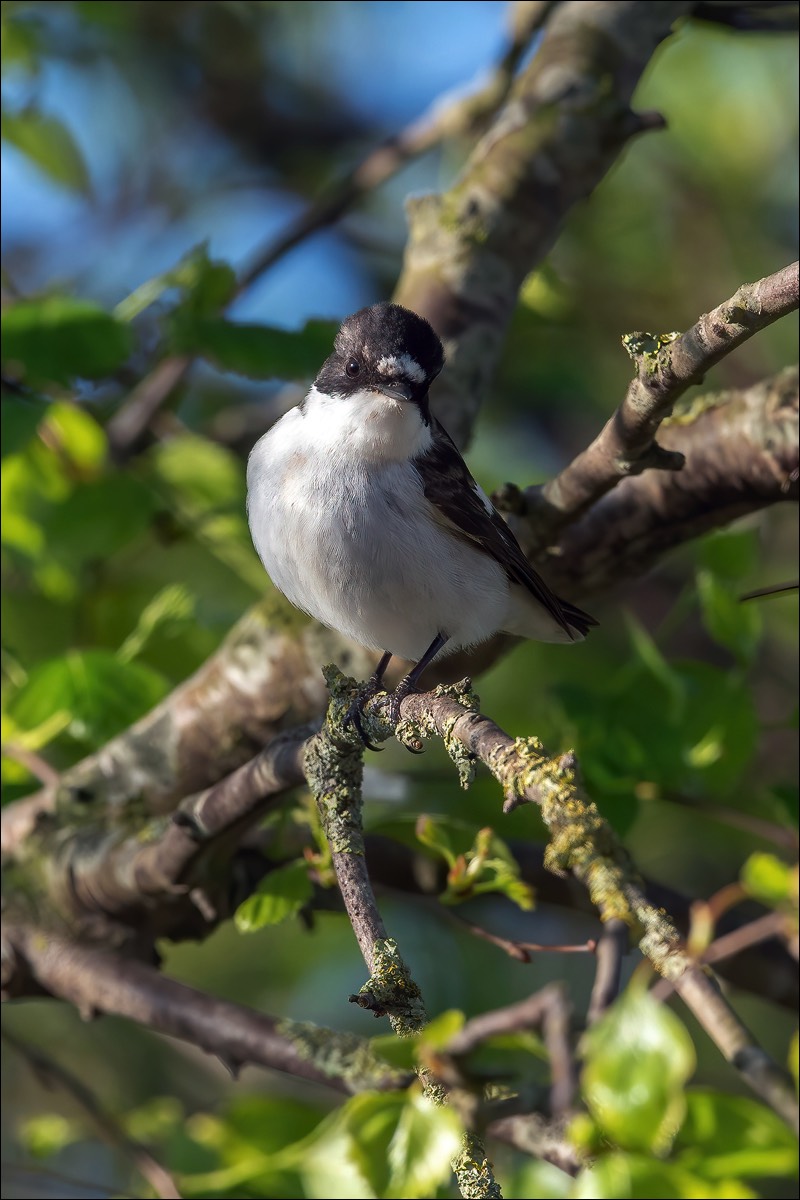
<point x="770" y="925"/>
<point x="54" y="1074"/>
<point x="775" y="589"/>
<point x="611" y="949"/>
<point x="665" y="368"/>
<point x="542" y="1138"/>
<point x="333" y="765"/>
<point x="39" y="767"/>
<point x="548" y="1010"/>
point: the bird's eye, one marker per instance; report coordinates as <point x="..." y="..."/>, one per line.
<point x="353" y="367"/>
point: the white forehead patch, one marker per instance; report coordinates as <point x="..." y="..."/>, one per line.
<point x="400" y="364"/>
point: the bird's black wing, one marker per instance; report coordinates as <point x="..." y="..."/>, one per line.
<point x="459" y="505"/>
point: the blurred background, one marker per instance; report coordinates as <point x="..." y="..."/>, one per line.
<point x="134" y="133"/>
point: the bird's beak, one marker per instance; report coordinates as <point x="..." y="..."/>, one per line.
<point x="396" y="391"/>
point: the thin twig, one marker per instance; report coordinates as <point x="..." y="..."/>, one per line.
<point x="770" y="925"/>
<point x="549" y="1010"/>
<point x="39" y="767"/>
<point x="776" y="589"/>
<point x="53" y="1073"/>
<point x="611" y="949"/>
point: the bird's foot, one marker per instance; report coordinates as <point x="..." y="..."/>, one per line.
<point x="406" y="687"/>
<point x="356" y="710"/>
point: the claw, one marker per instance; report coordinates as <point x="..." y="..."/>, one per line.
<point x="353" y="717"/>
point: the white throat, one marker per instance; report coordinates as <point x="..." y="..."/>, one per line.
<point x="372" y="425"/>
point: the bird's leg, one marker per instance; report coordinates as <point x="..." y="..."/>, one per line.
<point x="409" y="683"/>
<point x="370" y="688"/>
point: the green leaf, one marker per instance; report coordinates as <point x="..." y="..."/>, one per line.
<point x="101" y="695"/>
<point x="731" y="555"/>
<point x="47" y="1134"/>
<point x="437" y="833"/>
<point x="724" y="1137"/>
<point x="61" y="338"/>
<point x="630" y="1177"/>
<point x="442" y="1029"/>
<point x="20" y="419"/>
<point x="484" y="865"/>
<point x="257" y="351"/>
<point x="281" y="894"/>
<point x="769" y="880"/>
<point x="168" y="612"/>
<point x="637" y="1061"/>
<point x="208" y="285"/>
<point x="734" y="625"/>
<point x="100" y="517"/>
<point x="19" y="40"/>
<point x="652" y="660"/>
<point x="401" y="1143"/>
<point x="49" y="144"/>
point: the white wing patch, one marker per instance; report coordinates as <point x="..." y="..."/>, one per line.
<point x="487" y="504"/>
<point x="401" y="364"/>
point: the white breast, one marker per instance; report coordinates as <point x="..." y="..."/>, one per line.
<point x="340" y="521"/>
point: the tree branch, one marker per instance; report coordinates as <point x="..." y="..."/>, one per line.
<point x="665" y="368"/>
<point x="98" y="981"/>
<point x="611" y="949"/>
<point x="741" y="450"/>
<point x="566" y="121"/>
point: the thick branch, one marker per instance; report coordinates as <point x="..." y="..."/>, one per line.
<point x="741" y="452"/>
<point x="665" y="368"/>
<point x="566" y="121"/>
<point x="100" y="982"/>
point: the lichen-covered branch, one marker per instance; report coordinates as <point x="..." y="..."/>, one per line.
<point x="583" y="843"/>
<point x="333" y="766"/>
<point x="666" y="366"/>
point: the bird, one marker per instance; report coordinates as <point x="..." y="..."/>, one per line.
<point x="365" y="515"/>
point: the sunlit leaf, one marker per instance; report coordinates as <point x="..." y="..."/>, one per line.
<point x="401" y="1142"/>
<point x="631" y="1177"/>
<point x="726" y="1137"/>
<point x="769" y="880"/>
<point x="280" y="894"/>
<point x="638" y="1058"/>
<point x="48" y="143"/>
<point x="101" y="695"/>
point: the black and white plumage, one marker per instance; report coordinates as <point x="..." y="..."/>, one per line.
<point x="365" y="515"/>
